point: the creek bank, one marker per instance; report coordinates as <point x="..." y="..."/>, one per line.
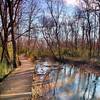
<point x="90" y="66"/>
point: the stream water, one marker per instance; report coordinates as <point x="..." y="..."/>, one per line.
<point x="64" y="82"/>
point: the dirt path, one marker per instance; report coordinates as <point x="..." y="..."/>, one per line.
<point x="17" y="86"/>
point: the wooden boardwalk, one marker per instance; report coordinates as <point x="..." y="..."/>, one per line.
<point x="18" y="85"/>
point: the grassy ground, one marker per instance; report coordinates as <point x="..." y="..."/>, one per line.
<point x="4" y="70"/>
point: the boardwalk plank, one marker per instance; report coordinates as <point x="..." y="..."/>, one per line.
<point x="17" y="86"/>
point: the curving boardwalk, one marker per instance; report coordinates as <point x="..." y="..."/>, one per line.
<point x="17" y="86"/>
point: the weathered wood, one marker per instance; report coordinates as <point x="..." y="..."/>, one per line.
<point x="17" y="86"/>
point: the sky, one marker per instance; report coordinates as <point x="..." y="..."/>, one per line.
<point x="71" y="5"/>
<point x="72" y="2"/>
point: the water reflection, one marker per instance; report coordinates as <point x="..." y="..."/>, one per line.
<point x="66" y="83"/>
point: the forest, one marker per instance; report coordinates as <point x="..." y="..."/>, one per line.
<point x="63" y="30"/>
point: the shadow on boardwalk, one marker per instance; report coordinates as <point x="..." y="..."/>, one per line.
<point x="17" y="86"/>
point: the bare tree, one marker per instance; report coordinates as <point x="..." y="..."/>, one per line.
<point x="9" y="11"/>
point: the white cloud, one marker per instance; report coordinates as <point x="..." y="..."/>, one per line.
<point x="72" y="2"/>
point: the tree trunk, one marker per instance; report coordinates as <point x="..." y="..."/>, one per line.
<point x="10" y="4"/>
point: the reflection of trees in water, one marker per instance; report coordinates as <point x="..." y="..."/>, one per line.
<point x="55" y="83"/>
<point x="73" y="81"/>
<point x="94" y="88"/>
<point x="70" y="71"/>
<point x="86" y="85"/>
<point x="66" y="85"/>
<point x="79" y="81"/>
<point x="58" y="80"/>
<point x="89" y="89"/>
